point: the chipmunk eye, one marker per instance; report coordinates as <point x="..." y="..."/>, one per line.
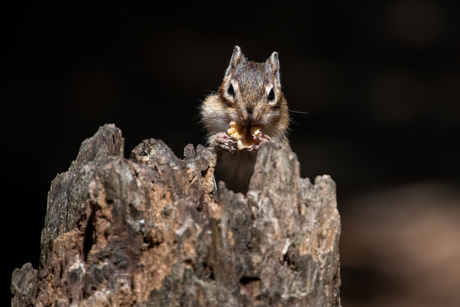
<point x="231" y="90"/>
<point x="271" y="95"/>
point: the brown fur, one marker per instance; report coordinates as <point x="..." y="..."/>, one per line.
<point x="251" y="105"/>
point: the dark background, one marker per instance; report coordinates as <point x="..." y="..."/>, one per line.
<point x="380" y="81"/>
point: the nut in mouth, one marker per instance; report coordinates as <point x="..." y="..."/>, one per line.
<point x="243" y="135"/>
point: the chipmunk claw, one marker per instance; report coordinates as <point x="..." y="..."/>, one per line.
<point x="259" y="138"/>
<point x="225" y="142"/>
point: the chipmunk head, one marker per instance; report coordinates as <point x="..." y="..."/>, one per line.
<point x="252" y="91"/>
<point x="250" y="95"/>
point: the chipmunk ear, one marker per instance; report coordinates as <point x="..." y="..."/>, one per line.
<point x="237" y="58"/>
<point x="274" y="63"/>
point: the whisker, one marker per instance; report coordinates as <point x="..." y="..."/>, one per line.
<point x="298" y="112"/>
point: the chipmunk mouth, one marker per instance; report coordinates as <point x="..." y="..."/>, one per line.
<point x="243" y="135"/>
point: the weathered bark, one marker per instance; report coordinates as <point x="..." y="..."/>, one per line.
<point x="149" y="231"/>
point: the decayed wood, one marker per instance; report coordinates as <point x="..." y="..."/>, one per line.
<point x="150" y="231"/>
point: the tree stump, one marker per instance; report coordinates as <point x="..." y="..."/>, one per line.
<point x="153" y="231"/>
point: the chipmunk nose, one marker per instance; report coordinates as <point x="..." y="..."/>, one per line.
<point x="250" y="119"/>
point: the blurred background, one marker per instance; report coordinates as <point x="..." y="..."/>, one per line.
<point x="380" y="81"/>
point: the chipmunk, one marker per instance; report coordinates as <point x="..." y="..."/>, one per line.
<point x="248" y="109"/>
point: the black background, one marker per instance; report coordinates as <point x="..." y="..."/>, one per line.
<point x="380" y="81"/>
